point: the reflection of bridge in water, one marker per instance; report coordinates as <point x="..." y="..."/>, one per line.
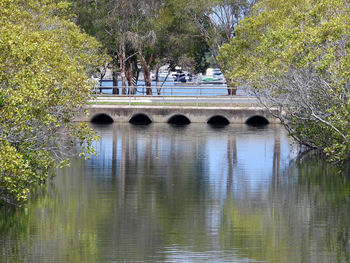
<point x="159" y="148"/>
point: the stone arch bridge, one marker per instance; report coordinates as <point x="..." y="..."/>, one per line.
<point x="176" y="114"/>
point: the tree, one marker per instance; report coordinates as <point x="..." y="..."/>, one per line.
<point x="149" y="32"/>
<point x="178" y="41"/>
<point x="295" y="56"/>
<point x="216" y="21"/>
<point x="125" y="29"/>
<point x="45" y="62"/>
<point x="143" y="37"/>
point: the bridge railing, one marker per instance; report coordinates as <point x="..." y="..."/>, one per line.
<point x="179" y="94"/>
<point x="177" y="90"/>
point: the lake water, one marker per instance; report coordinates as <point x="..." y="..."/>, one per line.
<point x="195" y="193"/>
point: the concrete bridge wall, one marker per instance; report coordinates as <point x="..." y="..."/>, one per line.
<point x="160" y="114"/>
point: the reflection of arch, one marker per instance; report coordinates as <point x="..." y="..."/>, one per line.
<point x="102" y="118"/>
<point x="218" y="120"/>
<point x="179" y="119"/>
<point x="140" y="118"/>
<point x="257" y="121"/>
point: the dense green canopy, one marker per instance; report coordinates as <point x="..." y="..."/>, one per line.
<point x="45" y="60"/>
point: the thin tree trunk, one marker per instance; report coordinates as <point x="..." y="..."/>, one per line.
<point x="157" y="78"/>
<point x="115" y="89"/>
<point x="166" y="77"/>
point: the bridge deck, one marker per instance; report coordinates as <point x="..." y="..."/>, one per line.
<point x="241" y="111"/>
<point x="177" y="100"/>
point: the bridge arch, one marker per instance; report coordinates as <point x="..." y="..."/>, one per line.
<point x="102" y="118"/>
<point x="218" y="120"/>
<point x="257" y="120"/>
<point x="179" y="119"/>
<point x="140" y="118"/>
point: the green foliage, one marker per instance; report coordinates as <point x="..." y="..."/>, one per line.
<point x="295" y="55"/>
<point x="215" y="21"/>
<point x="161" y="30"/>
<point x="45" y="62"/>
<point x="178" y="39"/>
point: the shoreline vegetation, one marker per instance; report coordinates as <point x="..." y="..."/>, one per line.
<point x="294" y="54"/>
<point x="45" y="62"/>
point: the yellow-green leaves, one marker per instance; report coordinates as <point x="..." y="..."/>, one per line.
<point x="45" y="62"/>
<point x="16" y="174"/>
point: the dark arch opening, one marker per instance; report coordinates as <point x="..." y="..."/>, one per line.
<point x="140" y="119"/>
<point x="179" y="120"/>
<point x="102" y="119"/>
<point x="257" y="121"/>
<point x="218" y="121"/>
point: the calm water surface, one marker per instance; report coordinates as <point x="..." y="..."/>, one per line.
<point x="161" y="193"/>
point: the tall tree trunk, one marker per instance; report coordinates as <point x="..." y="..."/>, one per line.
<point x="128" y="72"/>
<point x="115" y="89"/>
<point x="147" y="76"/>
<point x="122" y="62"/>
<point x="147" y="71"/>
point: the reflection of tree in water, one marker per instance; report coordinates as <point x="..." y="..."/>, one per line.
<point x="231" y="160"/>
<point x="244" y="225"/>
<point x="128" y="226"/>
<point x="54" y="225"/>
<point x="328" y="193"/>
<point x="156" y="172"/>
<point x="304" y="219"/>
